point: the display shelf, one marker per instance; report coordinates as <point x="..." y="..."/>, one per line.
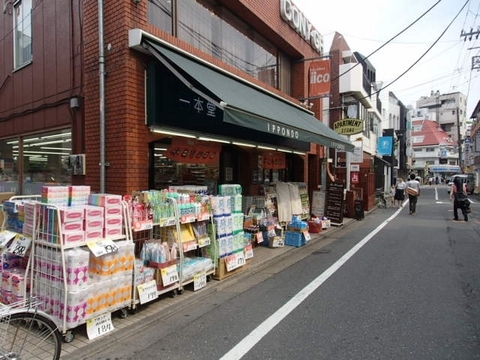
<point x="81" y="280"/>
<point x="180" y="235"/>
<point x="16" y="267"/>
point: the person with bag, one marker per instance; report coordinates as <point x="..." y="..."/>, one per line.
<point x="413" y="191"/>
<point x="459" y="196"/>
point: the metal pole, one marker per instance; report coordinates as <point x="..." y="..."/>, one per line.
<point x="101" y="69"/>
<point x="459" y="140"/>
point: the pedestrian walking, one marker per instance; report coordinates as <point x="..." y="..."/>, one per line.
<point x="400" y="192"/>
<point x="392" y="194"/>
<point x="413" y="191"/>
<point x="459" y="195"/>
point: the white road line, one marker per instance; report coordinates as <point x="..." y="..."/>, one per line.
<point x="248" y="342"/>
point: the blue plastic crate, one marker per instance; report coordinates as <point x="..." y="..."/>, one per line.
<point x="294" y="238"/>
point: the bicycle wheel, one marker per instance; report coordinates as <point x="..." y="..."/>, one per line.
<point x="30" y="335"/>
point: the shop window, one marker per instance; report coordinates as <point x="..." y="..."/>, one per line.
<point x="160" y="14"/>
<point x="30" y="162"/>
<point x="214" y="30"/>
<point x="22" y="46"/>
<point x="8" y="167"/>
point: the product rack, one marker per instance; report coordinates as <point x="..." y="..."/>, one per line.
<point x="51" y="283"/>
<point x="170" y="230"/>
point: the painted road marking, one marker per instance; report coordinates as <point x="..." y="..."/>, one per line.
<point x="248" y="342"/>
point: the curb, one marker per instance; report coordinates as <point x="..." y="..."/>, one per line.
<point x="288" y="256"/>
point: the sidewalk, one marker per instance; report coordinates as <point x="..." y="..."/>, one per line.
<point x="166" y="305"/>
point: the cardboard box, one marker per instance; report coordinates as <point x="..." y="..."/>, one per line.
<point x="221" y="269"/>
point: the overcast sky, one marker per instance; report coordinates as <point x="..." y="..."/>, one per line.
<point x="369" y="24"/>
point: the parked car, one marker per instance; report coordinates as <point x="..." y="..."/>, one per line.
<point x="469" y="179"/>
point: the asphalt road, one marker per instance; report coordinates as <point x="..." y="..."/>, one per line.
<point x="392" y="286"/>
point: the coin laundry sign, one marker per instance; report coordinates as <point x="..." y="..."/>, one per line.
<point x="348" y="126"/>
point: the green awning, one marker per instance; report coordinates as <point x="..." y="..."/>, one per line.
<point x="245" y="104"/>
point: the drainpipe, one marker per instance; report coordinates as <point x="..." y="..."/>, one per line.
<point x="101" y="69"/>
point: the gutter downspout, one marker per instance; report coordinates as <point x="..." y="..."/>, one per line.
<point x="101" y="70"/>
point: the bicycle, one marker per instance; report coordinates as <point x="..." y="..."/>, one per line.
<point x="28" y="333"/>
<point x="380" y="198"/>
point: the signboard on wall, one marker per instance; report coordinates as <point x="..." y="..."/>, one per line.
<point x="191" y="151"/>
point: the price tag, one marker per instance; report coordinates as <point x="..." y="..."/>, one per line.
<point x="199" y="280"/>
<point x="188" y="218"/>
<point x="6" y="236"/>
<point x="147" y="292"/>
<point x="307" y="235"/>
<point x="20" y="245"/>
<point x="203" y="216"/>
<point x="99" y="326"/>
<point x="235" y="261"/>
<point x="248" y="252"/>
<point x="101" y="247"/>
<point x="189" y="246"/>
<point x="259" y="237"/>
<point x="204" y="241"/>
<point x="169" y="275"/>
<point x="143" y="225"/>
<point x="170" y="222"/>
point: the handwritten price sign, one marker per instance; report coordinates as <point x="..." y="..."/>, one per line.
<point x="20" y="245"/>
<point x="169" y="275"/>
<point x="102" y="247"/>
<point x="199" y="280"/>
<point x="235" y="261"/>
<point x="99" y="326"/>
<point x="147" y="292"/>
<point x="6" y="236"/>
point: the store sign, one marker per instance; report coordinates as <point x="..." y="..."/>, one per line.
<point x="354" y="178"/>
<point x="273" y="160"/>
<point x="319" y="79"/>
<point x="348" y="126"/>
<point x="297" y="20"/>
<point x="190" y="151"/>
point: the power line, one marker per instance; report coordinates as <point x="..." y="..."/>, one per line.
<point x="425" y="53"/>
<point x="388" y="41"/>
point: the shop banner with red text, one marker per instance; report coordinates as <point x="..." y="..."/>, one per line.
<point x="319" y="79"/>
<point x="191" y="151"/>
<point x="273" y="160"/>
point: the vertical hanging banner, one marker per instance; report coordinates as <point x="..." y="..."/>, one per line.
<point x="319" y="78"/>
<point x="385" y="145"/>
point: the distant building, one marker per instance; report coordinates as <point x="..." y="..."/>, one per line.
<point x="433" y="150"/>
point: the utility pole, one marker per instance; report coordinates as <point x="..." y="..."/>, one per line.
<point x="470" y="34"/>
<point x="459" y="140"/>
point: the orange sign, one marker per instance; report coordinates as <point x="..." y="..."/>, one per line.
<point x="189" y="151"/>
<point x="319" y="79"/>
<point x="273" y="160"/>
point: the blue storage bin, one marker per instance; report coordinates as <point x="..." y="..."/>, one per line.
<point x="294" y="238"/>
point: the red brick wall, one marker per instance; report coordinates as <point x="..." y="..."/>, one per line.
<point x="127" y="136"/>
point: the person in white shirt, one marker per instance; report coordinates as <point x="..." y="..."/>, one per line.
<point x="400" y="192"/>
<point x="413" y="190"/>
